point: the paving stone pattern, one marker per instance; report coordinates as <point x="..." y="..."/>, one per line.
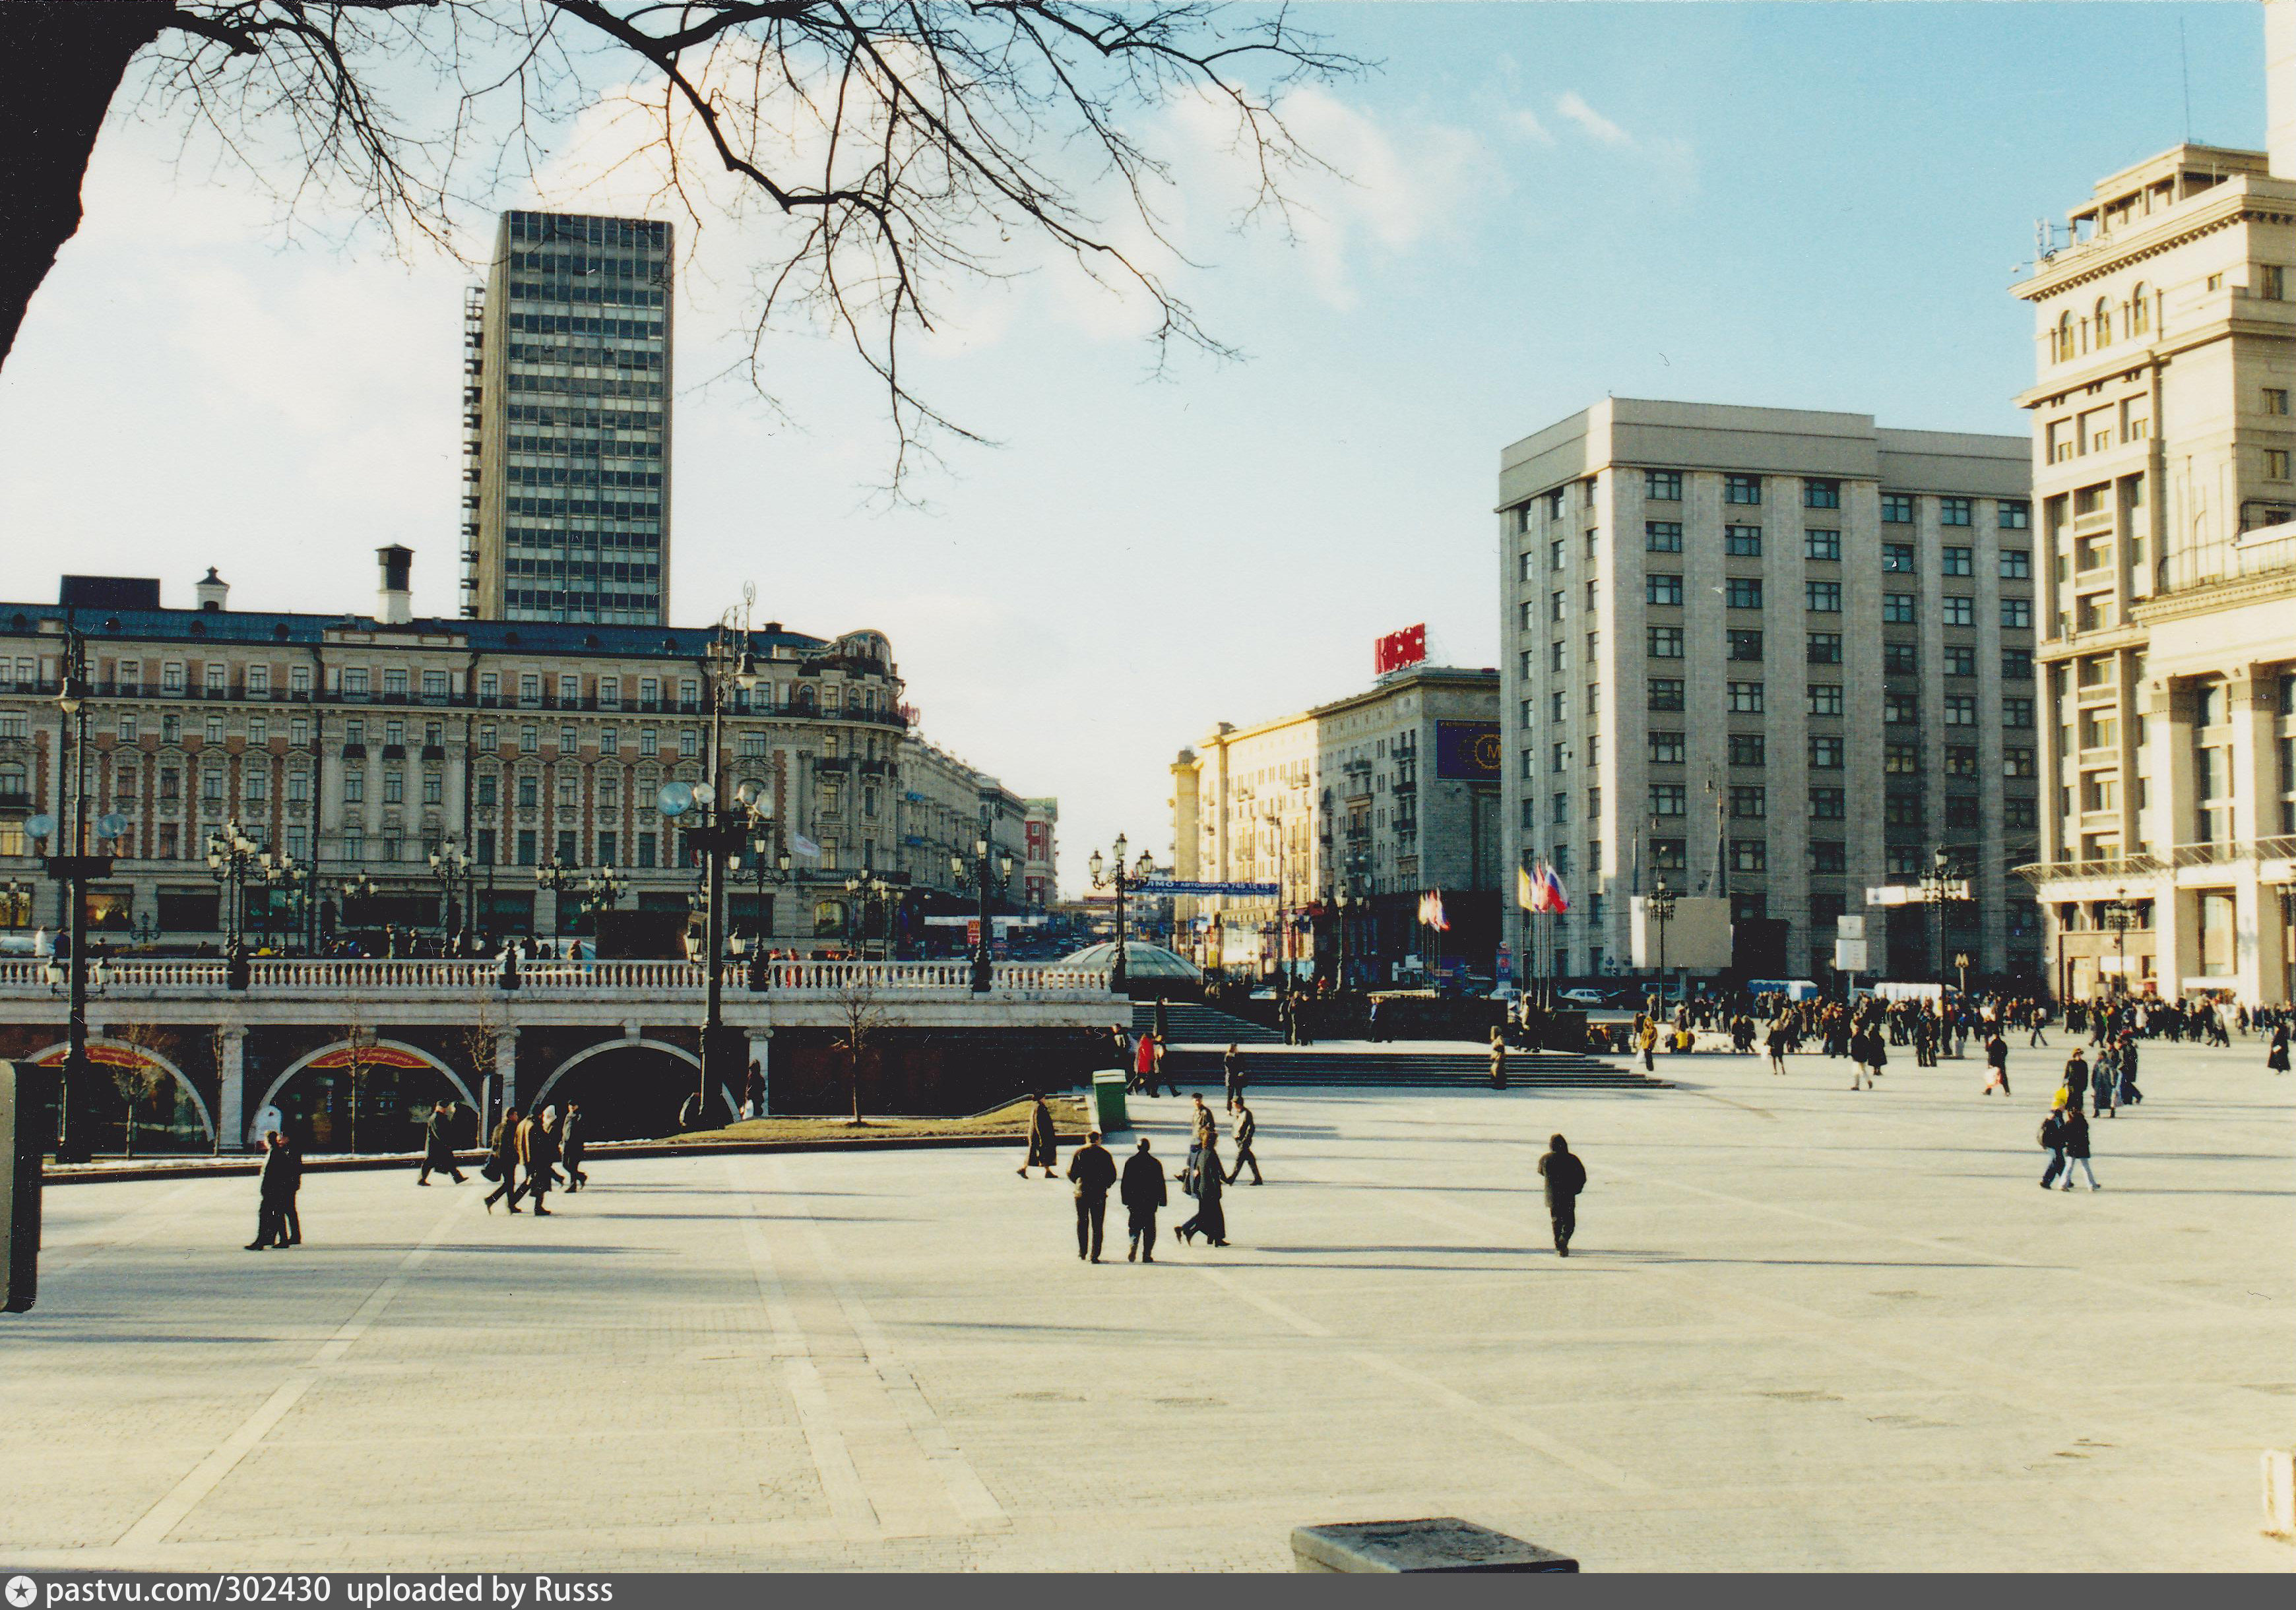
<point x="1803" y="1328"/>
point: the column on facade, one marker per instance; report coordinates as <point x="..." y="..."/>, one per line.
<point x="761" y="1048"/>
<point x="231" y="1091"/>
<point x="507" y="1063"/>
<point x="2169" y="766"/>
<point x="2253" y="711"/>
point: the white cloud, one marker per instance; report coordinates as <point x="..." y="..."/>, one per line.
<point x="1527" y="124"/>
<point x="1573" y="106"/>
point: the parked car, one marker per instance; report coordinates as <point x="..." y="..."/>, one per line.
<point x="1583" y="996"/>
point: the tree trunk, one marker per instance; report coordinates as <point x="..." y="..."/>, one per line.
<point x="60" y="63"/>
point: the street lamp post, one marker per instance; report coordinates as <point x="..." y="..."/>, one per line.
<point x="1658" y="905"/>
<point x="2120" y="916"/>
<point x="233" y="859"/>
<point x="73" y="869"/>
<point x="447" y="865"/>
<point x="866" y="887"/>
<point x="983" y="958"/>
<point x="1939" y="884"/>
<point x="557" y="877"/>
<point x="602" y="891"/>
<point x="1112" y="874"/>
<point x="764" y="849"/>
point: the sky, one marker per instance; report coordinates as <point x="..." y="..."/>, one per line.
<point x="1812" y="205"/>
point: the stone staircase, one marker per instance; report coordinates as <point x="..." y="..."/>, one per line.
<point x="1401" y="1068"/>
<point x="1190" y="1024"/>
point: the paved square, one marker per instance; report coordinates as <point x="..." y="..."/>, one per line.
<point x="1802" y="1328"/>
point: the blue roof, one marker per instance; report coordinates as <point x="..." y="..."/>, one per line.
<point x="485" y="636"/>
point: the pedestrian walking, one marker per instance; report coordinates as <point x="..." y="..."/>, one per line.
<point x="2125" y="1091"/>
<point x="1776" y="1045"/>
<point x="502" y="1161"/>
<point x="1499" y="1060"/>
<point x="275" y="1193"/>
<point x="537" y="1153"/>
<point x="1246" y="1128"/>
<point x="1996" y="1064"/>
<point x="570" y="1144"/>
<point x="439" y="1144"/>
<point x="2074" y="1130"/>
<point x="1209" y="1219"/>
<point x="2276" y="1057"/>
<point x="1044" y="1143"/>
<point x="1201" y="1130"/>
<point x="2074" y="1091"/>
<point x="2102" y="1081"/>
<point x="1094" y="1172"/>
<point x="1232" y="1074"/>
<point x="1144" y="1052"/>
<point x="2053" y="1142"/>
<point x="1143" y="1192"/>
<point x="2040" y="1022"/>
<point x="1648" y="1040"/>
<point x="1564" y="1176"/>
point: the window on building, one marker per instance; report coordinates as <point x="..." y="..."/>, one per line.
<point x="1665" y="693"/>
<point x="1745" y="698"/>
<point x="2013" y="514"/>
<point x="1743" y="593"/>
<point x="1743" y="542"/>
<point x="1669" y="799"/>
<point x="1956" y="511"/>
<point x="1744" y="645"/>
<point x="1961" y="709"/>
<point x="2016" y="712"/>
<point x="529" y="741"/>
<point x="1958" y="561"/>
<point x="1748" y="750"/>
<point x="2275" y="400"/>
<point x="1824" y="698"/>
<point x="689" y="744"/>
<point x="1822" y="545"/>
<point x="1896" y="509"/>
<point x="1750" y="855"/>
<point x="1667" y="748"/>
<point x="1959" y="611"/>
<point x="1659" y="589"/>
<point x="2017" y="812"/>
<point x="1742" y="489"/>
<point x="1901" y="709"/>
<point x="1961" y="660"/>
<point x="1898" y="609"/>
<point x="2017" y="614"/>
<point x="1904" y="811"/>
<point x="1829" y="805"/>
<point x="529" y="793"/>
<point x="354" y="786"/>
<point x="1901" y="660"/>
<point x="1824" y="649"/>
<point x="1828" y="857"/>
<point x="1821" y="494"/>
<point x="1663" y="485"/>
<point x="1749" y="802"/>
<point x="1898" y="558"/>
<point x="1666" y="642"/>
<point x="1824" y="597"/>
<point x="2016" y="564"/>
<point x="2275" y="463"/>
<point x="1902" y="759"/>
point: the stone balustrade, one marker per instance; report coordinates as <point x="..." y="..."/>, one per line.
<point x="424" y="978"/>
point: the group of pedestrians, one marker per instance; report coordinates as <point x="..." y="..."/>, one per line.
<point x="524" y="1156"/>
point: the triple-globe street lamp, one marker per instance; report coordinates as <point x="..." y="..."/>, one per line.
<point x="1112" y="874"/>
<point x="982" y="956"/>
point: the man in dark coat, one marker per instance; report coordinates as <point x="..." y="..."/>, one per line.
<point x="538" y="1152"/>
<point x="1143" y="1192"/>
<point x="1247" y="1128"/>
<point x="1044" y="1142"/>
<point x="1232" y="1074"/>
<point x="502" y="1161"/>
<point x="291" y="1217"/>
<point x="439" y="1144"/>
<point x="1565" y="1177"/>
<point x="275" y="1190"/>
<point x="1094" y="1173"/>
<point x="570" y="1144"/>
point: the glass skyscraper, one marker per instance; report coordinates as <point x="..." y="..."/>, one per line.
<point x="566" y="423"/>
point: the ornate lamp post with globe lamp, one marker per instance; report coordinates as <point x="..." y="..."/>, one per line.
<point x="982" y="957"/>
<point x="1112" y="874"/>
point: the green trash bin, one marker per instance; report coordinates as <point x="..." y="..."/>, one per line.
<point x="1107" y="1105"/>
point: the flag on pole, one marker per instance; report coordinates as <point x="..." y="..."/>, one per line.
<point x="1557" y="901"/>
<point x="1430" y="911"/>
<point x="804" y="847"/>
<point x="1526" y="889"/>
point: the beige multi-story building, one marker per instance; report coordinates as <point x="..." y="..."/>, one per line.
<point x="566" y="422"/>
<point x="1353" y="809"/>
<point x="358" y="745"/>
<point x="1781" y="654"/>
<point x="945" y="808"/>
<point x="2162" y="443"/>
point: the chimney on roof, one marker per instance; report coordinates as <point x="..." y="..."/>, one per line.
<point x="211" y="590"/>
<point x="397" y="605"/>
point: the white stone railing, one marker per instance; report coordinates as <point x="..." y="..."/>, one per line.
<point x="419" y="976"/>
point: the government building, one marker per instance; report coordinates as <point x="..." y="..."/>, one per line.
<point x="1778" y="655"/>
<point x="529" y="756"/>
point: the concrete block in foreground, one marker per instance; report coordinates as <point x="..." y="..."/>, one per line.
<point x="1444" y="1543"/>
<point x="2280" y="1490"/>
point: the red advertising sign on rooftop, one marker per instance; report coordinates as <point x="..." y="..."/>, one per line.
<point x="1397" y="649"/>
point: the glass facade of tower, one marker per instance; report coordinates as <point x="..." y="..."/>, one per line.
<point x="566" y="419"/>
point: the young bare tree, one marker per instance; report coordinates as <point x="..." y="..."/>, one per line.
<point x="140" y="1084"/>
<point x="478" y="1040"/>
<point x="862" y="1021"/>
<point x="360" y="1040"/>
<point x="902" y="146"/>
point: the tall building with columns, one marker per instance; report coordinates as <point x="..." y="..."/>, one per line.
<point x="2165" y="345"/>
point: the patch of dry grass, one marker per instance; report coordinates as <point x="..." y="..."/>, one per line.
<point x="1011" y="1120"/>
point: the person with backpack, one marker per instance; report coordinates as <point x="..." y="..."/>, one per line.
<point x="2053" y="1142"/>
<point x="1996" y="1064"/>
<point x="2073" y="1130"/>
